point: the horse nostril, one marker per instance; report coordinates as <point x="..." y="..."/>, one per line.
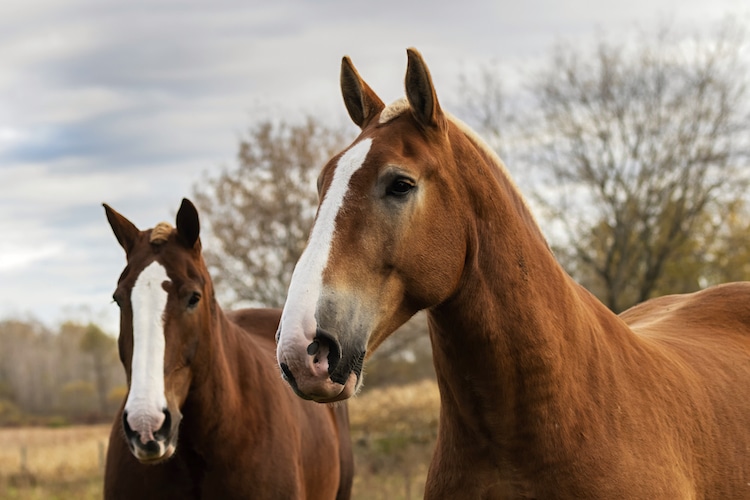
<point x="313" y="348"/>
<point x="163" y="432"/>
<point x="287" y="373"/>
<point x="129" y="432"/>
<point x="326" y="340"/>
<point x="152" y="447"/>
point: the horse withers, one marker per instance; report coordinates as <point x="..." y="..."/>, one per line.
<point x="207" y="414"/>
<point x="545" y="393"/>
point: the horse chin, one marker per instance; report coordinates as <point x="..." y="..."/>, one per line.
<point x="155" y="453"/>
<point x="339" y="392"/>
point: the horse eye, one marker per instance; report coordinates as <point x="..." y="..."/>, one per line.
<point x="195" y="297"/>
<point x="400" y="187"/>
<point x="114" y="299"/>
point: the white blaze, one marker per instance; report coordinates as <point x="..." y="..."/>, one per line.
<point x="146" y="400"/>
<point x="298" y="318"/>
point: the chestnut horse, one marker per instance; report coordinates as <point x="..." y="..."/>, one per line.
<point x="544" y="392"/>
<point x="207" y="415"/>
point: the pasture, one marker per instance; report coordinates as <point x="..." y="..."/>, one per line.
<point x="393" y="431"/>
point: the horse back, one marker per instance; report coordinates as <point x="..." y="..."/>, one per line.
<point x="259" y="322"/>
<point x="702" y="344"/>
<point x="719" y="314"/>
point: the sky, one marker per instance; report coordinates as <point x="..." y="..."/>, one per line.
<point x="135" y="102"/>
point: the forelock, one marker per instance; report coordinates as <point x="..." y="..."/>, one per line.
<point x="160" y="233"/>
<point x="393" y="110"/>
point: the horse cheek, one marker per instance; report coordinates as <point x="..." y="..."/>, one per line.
<point x="177" y="388"/>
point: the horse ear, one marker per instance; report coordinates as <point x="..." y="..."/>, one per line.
<point x="188" y="225"/>
<point x="125" y="231"/>
<point x="420" y="92"/>
<point x="361" y="101"/>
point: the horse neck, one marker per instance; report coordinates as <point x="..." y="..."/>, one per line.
<point x="518" y="336"/>
<point x="228" y="371"/>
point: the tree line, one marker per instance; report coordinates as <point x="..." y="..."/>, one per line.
<point x="72" y="374"/>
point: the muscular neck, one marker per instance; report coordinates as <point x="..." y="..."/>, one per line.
<point x="515" y="346"/>
<point x="216" y="402"/>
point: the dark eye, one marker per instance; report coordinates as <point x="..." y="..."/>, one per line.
<point x="116" y="299"/>
<point x="400" y="186"/>
<point x="195" y="297"/>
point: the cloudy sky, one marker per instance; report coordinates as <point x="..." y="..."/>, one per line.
<point x="132" y="103"/>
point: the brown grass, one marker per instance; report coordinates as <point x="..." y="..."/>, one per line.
<point x="62" y="463"/>
<point x="393" y="432"/>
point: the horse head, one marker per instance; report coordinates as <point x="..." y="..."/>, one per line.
<point x="165" y="298"/>
<point x="389" y="238"/>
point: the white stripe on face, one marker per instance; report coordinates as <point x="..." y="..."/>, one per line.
<point x="146" y="400"/>
<point x="298" y="317"/>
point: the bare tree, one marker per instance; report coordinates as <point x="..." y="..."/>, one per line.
<point x="41" y="370"/>
<point x="101" y="348"/>
<point x="638" y="146"/>
<point x="484" y="105"/>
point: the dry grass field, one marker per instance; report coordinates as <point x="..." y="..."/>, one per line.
<point x="63" y="463"/>
<point x="393" y="432"/>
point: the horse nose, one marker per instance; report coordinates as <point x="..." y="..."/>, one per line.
<point x="313" y="368"/>
<point x="148" y="439"/>
<point x="325" y="346"/>
<point x="317" y="371"/>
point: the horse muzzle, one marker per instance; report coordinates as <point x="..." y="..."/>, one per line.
<point x="321" y="371"/>
<point x="146" y="444"/>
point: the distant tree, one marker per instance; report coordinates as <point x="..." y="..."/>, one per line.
<point x="78" y="398"/>
<point x="41" y="369"/>
<point x="260" y="210"/>
<point x="26" y="364"/>
<point x="638" y="146"/>
<point x="101" y="349"/>
<point x="484" y="105"/>
<point x="728" y="255"/>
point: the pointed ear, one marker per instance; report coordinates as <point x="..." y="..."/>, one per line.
<point x="188" y="225"/>
<point x="421" y="93"/>
<point x="125" y="231"/>
<point x="360" y="100"/>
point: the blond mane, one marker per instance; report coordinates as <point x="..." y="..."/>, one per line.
<point x="160" y="233"/>
<point x="393" y="110"/>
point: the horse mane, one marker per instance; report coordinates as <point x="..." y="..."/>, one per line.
<point x="401" y="105"/>
<point x="393" y="110"/>
<point x="160" y="233"/>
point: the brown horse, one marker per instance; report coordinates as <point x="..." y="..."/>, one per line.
<point x="207" y="415"/>
<point x="545" y="392"/>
